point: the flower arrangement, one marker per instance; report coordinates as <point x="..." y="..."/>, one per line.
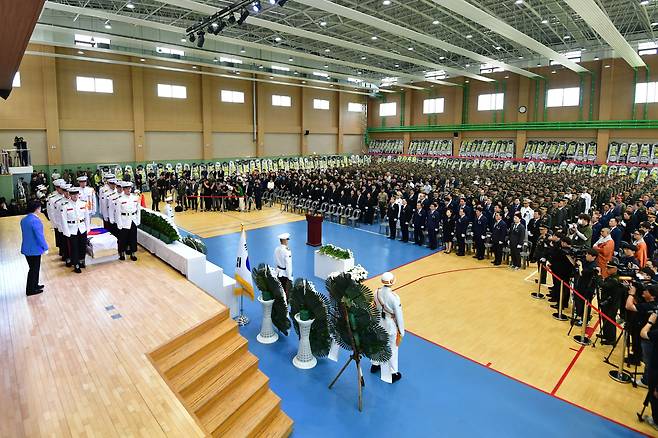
<point x="358" y="273"/>
<point x="159" y="226"/>
<point x="271" y="289"/>
<point x="311" y="304"/>
<point x="196" y="244"/>
<point x="336" y="252"/>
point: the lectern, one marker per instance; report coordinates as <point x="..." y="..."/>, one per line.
<point x="313" y="230"/>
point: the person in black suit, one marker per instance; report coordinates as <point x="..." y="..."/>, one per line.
<point x="406" y="212"/>
<point x="433" y="225"/>
<point x="393" y="215"/>
<point x="560" y="215"/>
<point x="516" y="239"/>
<point x="448" y="230"/>
<point x="648" y="238"/>
<point x="498" y="236"/>
<point x="615" y="233"/>
<point x="479" y="233"/>
<point x="419" y="220"/>
<point x="461" y="225"/>
<point x="369" y="208"/>
<point x="533" y="233"/>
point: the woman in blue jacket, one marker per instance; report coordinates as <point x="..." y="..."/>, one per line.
<point x="34" y="244"/>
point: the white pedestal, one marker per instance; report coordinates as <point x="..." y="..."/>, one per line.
<point x="325" y="265"/>
<point x="304" y="359"/>
<point x="267" y="334"/>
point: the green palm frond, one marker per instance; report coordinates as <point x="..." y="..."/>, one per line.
<point x="271" y="289"/>
<point x="304" y="297"/>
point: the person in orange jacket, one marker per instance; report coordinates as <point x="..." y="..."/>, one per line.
<point x="641" y="251"/>
<point x="606" y="248"/>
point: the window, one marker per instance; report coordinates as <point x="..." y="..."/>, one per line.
<point x="388" y="109"/>
<point x="491" y="102"/>
<point x="168" y="51"/>
<point x="649" y="48"/>
<point x="646" y="92"/>
<point x="232" y="96"/>
<point x="281" y="100"/>
<point x="354" y="107"/>
<point x="94" y="85"/>
<point x="91" y="41"/>
<point x="433" y="106"/>
<point x="172" y="91"/>
<point x="438" y="74"/>
<point x="17" y="80"/>
<point x="229" y="60"/>
<point x="490" y="68"/>
<point x="320" y="104"/>
<point x="280" y="68"/>
<point x="558" y="97"/>
<point x="321" y="74"/>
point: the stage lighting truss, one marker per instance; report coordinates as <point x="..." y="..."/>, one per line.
<point x="236" y="13"/>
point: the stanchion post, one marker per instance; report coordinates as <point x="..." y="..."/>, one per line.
<point x="242" y="319"/>
<point x="559" y="315"/>
<point x="619" y="375"/>
<point x="582" y="338"/>
<point x="538" y="295"/>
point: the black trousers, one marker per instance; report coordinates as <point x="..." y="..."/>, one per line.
<point x="542" y="272"/>
<point x="128" y="239"/>
<point x="259" y="202"/>
<point x="609" y="329"/>
<point x="392" y="228"/>
<point x="498" y="253"/>
<point x="419" y="237"/>
<point x="77" y="245"/>
<point x="515" y="253"/>
<point x="405" y="231"/>
<point x="431" y="234"/>
<point x="580" y="304"/>
<point x="58" y="242"/>
<point x="478" y="241"/>
<point x="461" y="245"/>
<point x="34" y="265"/>
<point x="155" y="203"/>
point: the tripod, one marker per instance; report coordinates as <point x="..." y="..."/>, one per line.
<point x="645" y="403"/>
<point x="357" y="360"/>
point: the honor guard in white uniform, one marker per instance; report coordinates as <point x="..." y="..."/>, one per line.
<point x="389" y="306"/>
<point x="168" y="210"/>
<point x="283" y="262"/>
<point x="128" y="215"/>
<point x="75" y="223"/>
<point x="58" y="211"/>
<point x="103" y="193"/>
<point x="87" y="195"/>
<point x="112" y="198"/>
<point x="50" y="208"/>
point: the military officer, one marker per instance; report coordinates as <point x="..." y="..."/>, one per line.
<point x="58" y="211"/>
<point x="479" y="233"/>
<point x="75" y="223"/>
<point x="127" y="210"/>
<point x="283" y="262"/>
<point x="50" y="209"/>
<point x="389" y="306"/>
<point x="87" y="195"/>
<point x="112" y="198"/>
<point x="103" y="195"/>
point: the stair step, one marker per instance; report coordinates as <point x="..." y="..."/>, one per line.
<point x="279" y="427"/>
<point x="251" y="419"/>
<point x="214" y="384"/>
<point x="228" y="405"/>
<point x="191" y="371"/>
<point x="197" y="347"/>
<point x="183" y="338"/>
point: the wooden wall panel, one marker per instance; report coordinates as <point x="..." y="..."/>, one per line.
<point x="233" y="144"/>
<point x="24" y="108"/>
<point x="172" y="115"/>
<point x="281" y="144"/>
<point x="232" y="117"/>
<point x="353" y="143"/>
<point x="322" y="144"/>
<point x="166" y="145"/>
<point x="282" y="120"/>
<point x="96" y="146"/>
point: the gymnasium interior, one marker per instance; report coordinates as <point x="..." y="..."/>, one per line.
<point x="551" y="100"/>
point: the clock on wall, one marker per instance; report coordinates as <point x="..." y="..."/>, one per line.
<point x="523" y="109"/>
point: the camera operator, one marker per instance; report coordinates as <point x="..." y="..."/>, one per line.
<point x="541" y="251"/>
<point x="650" y="334"/>
<point x="612" y="291"/>
<point x="627" y="261"/>
<point x="586" y="284"/>
<point x="562" y="264"/>
<point x="641" y="301"/>
<point x="580" y="233"/>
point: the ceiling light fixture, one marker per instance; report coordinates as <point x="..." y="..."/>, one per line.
<point x="142" y="59"/>
<point x="243" y="16"/>
<point x="469" y="36"/>
<point x="256" y="6"/>
<point x="129" y="5"/>
<point x="544" y="21"/>
<point x="277" y="39"/>
<point x="518" y="2"/>
<point x="108" y="25"/>
<point x="323" y="23"/>
<point x="435" y="22"/>
<point x="374" y="38"/>
<point x="386" y="2"/>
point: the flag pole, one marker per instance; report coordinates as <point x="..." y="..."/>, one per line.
<point x="242" y="319"/>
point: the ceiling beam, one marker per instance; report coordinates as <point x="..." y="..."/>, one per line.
<point x="600" y="22"/>
<point x="395" y="29"/>
<point x="238" y="43"/>
<point x="489" y="21"/>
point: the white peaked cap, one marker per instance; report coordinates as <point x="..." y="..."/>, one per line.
<point x="284" y="236"/>
<point x="388" y="278"/>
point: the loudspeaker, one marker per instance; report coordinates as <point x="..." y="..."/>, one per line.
<point x="307" y="132"/>
<point x="455" y="134"/>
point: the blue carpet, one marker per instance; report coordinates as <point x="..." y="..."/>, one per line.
<point x="441" y="393"/>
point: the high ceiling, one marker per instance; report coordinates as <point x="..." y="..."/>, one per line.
<point x="315" y="36"/>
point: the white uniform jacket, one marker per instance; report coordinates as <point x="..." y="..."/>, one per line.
<point x="127" y="211"/>
<point x="283" y="261"/>
<point x="88" y="196"/>
<point x="50" y="208"/>
<point x="112" y="199"/>
<point x="74" y="218"/>
<point x="390" y="307"/>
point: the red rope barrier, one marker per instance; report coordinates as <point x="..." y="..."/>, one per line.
<point x="590" y="305"/>
<point x="520" y="160"/>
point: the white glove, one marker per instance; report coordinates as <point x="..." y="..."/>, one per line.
<point x="484" y="237"/>
<point x="463" y="235"/>
<point x="500" y="242"/>
<point x="519" y="246"/>
<point x="46" y="252"/>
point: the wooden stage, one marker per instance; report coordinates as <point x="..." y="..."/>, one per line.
<point x="74" y="359"/>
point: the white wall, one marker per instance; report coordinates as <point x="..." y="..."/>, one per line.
<point x="173" y="146"/>
<point x="352" y="144"/>
<point x="233" y="144"/>
<point x="281" y="144"/>
<point x="322" y="144"/>
<point x="96" y="146"/>
<point x="36" y="142"/>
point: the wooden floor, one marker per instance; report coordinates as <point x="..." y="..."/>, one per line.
<point x="486" y="314"/>
<point x="73" y="359"/>
<point x="211" y="224"/>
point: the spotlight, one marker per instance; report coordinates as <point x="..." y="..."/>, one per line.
<point x="231" y="19"/>
<point x="282" y="2"/>
<point x="256" y="6"/>
<point x="192" y="38"/>
<point x="202" y="39"/>
<point x="108" y="25"/>
<point x="129" y="5"/>
<point x="272" y="2"/>
<point x="243" y="16"/>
